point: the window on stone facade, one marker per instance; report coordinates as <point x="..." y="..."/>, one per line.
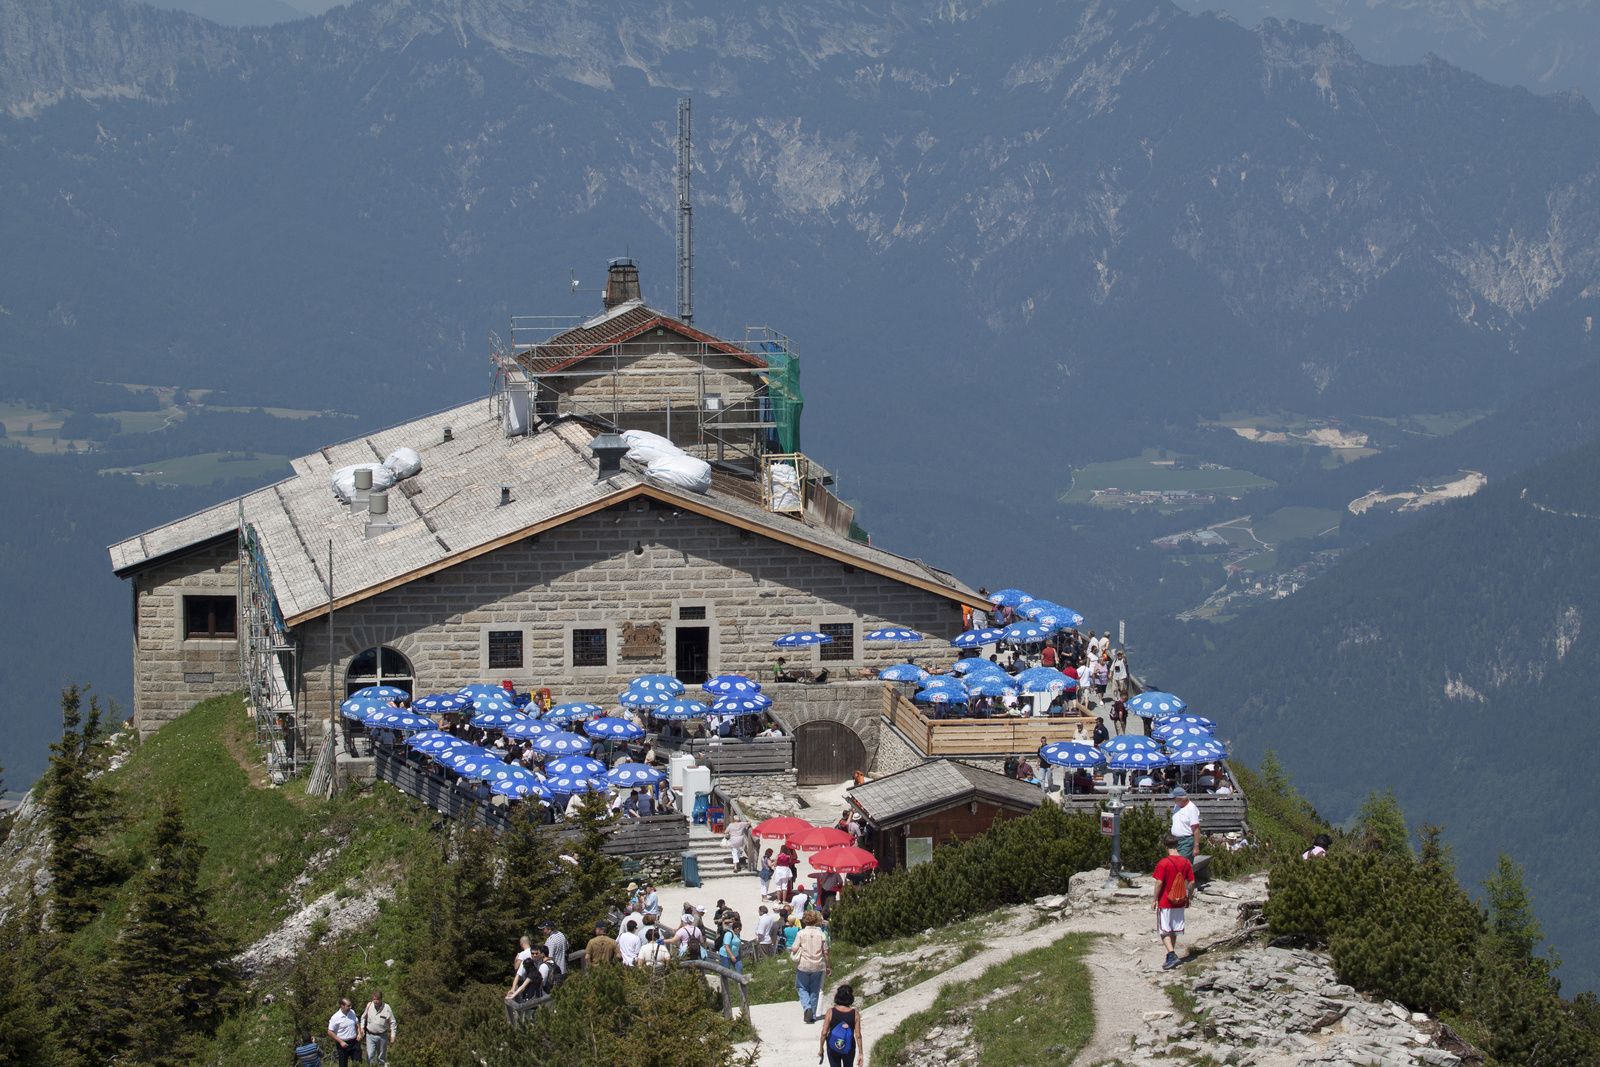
<point x="844" y="641"/>
<point x="209" y="616"/>
<point x="505" y="650"/>
<point x="379" y="666"/>
<point x="589" y="648"/>
<point x="697" y="612"/>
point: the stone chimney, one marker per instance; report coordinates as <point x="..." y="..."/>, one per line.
<point x="622" y="282"/>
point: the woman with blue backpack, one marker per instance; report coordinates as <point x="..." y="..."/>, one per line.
<point x="841" y="1031"/>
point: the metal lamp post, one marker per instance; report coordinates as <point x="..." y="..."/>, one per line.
<point x="1115" y="806"/>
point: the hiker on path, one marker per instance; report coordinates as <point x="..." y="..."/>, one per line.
<point x="1185" y="824"/>
<point x="555" y="947"/>
<point x="1174" y="878"/>
<point x="601" y="948"/>
<point x="307" y="1053"/>
<point x="735" y="839"/>
<point x="810" y="955"/>
<point x="377" y="1026"/>
<point x="343" y="1028"/>
<point x="841" y="1031"/>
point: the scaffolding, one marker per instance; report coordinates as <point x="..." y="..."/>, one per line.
<point x="692" y="407"/>
<point x="266" y="659"/>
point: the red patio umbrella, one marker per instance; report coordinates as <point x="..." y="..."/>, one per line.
<point x="845" y="859"/>
<point x="816" y="838"/>
<point x="782" y="826"/>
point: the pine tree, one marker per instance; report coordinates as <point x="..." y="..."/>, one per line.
<point x="169" y="980"/>
<point x="79" y="808"/>
<point x="1513" y="929"/>
<point x="1381" y="825"/>
<point x="595" y="879"/>
<point x="7" y="819"/>
<point x="26" y="1036"/>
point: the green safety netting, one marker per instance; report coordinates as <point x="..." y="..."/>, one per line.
<point x="783" y="396"/>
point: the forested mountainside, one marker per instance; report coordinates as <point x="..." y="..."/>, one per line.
<point x="1455" y="661"/>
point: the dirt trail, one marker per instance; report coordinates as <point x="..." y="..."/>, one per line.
<point x="1124" y="967"/>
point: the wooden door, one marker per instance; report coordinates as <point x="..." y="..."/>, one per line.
<point x="826" y="752"/>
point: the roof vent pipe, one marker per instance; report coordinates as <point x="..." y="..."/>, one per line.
<point x="505" y="495"/>
<point x="622" y="283"/>
<point x="363" y="477"/>
<point x="449" y="435"/>
<point x="608" y="449"/>
<point x="363" y="489"/>
<point x="378" y="503"/>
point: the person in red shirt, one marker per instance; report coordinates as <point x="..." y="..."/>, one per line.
<point x="1174" y="877"/>
<point x="1047" y="657"/>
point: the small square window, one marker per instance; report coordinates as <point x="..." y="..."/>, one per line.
<point x="686" y="613"/>
<point x="209" y="616"/>
<point x="844" y="641"/>
<point x="589" y="648"/>
<point x="505" y="650"/>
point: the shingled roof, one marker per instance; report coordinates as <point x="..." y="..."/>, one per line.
<point x="449" y="512"/>
<point x="621" y="324"/>
<point x="934" y="786"/>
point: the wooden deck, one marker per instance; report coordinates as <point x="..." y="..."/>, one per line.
<point x="1000" y="736"/>
<point x="629" y="837"/>
<point x="1218" y="814"/>
<point x="736" y="755"/>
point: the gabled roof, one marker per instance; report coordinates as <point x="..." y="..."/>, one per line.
<point x="450" y="512"/>
<point x="622" y="323"/>
<point x="934" y="786"/>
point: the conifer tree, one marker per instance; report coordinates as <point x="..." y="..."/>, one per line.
<point x="168" y="980"/>
<point x="7" y="819"/>
<point x="595" y="877"/>
<point x="79" y="808"/>
<point x="26" y="1036"/>
<point x="1381" y="825"/>
<point x="1513" y="929"/>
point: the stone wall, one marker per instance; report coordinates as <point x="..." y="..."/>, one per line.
<point x="856" y="704"/>
<point x="640" y="562"/>
<point x="895" y="753"/>
<point x="172" y="673"/>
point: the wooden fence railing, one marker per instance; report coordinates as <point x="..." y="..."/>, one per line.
<point x="520" y="1012"/>
<point x="998" y="736"/>
<point x="629" y="836"/>
<point x="736" y="755"/>
<point x="1219" y="814"/>
<point x="323" y="780"/>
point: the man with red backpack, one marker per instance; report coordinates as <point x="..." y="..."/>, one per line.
<point x="1174" y="877"/>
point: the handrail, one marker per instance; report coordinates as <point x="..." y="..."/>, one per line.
<point x="323" y="781"/>
<point x="516" y="1011"/>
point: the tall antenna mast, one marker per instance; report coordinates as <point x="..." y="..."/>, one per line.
<point x="685" y="219"/>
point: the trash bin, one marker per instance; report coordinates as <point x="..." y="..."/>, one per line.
<point x="691" y="870"/>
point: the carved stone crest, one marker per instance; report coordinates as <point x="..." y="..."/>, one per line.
<point x="641" y="642"/>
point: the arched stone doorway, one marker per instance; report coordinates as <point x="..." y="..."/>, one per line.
<point x="379" y="666"/>
<point x="826" y="751"/>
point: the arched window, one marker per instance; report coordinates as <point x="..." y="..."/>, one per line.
<point x="378" y="666"/>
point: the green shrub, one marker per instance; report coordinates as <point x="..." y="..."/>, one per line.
<point x="1016" y="860"/>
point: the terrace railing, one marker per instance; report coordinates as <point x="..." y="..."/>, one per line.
<point x="998" y="736"/>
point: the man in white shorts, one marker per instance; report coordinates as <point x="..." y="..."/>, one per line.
<point x="1174" y="877"/>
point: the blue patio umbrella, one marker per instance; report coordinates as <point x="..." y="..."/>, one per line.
<point x="614" y="728"/>
<point x="1188" y="754"/>
<point x="575" y="767"/>
<point x="1185" y="720"/>
<point x="942" y="695"/>
<point x="567" y="714"/>
<point x="361" y="708"/>
<point x="661" y="683"/>
<point x="475" y="766"/>
<point x="568" y="783"/>
<point x="1044" y="680"/>
<point x="987" y="635"/>
<point x="741" y="705"/>
<point x="1179" y="731"/>
<point x="802" y="639"/>
<point x="989" y="686"/>
<point x="903" y="672"/>
<point x="940" y="681"/>
<point x="383" y="693"/>
<point x="644" y="698"/>
<point x="1072" y="754"/>
<point x="482" y="689"/>
<point x="489" y="704"/>
<point x="510" y="772"/>
<point x="521" y="789"/>
<point x="969" y="663"/>
<point x="497" y="720"/>
<point x="891" y="633"/>
<point x="562" y="743"/>
<point x="441" y="703"/>
<point x="1032" y="608"/>
<point x="1059" y="617"/>
<point x="435" y="745"/>
<point x="725" y="684"/>
<point x="631" y="774"/>
<point x="1010" y="598"/>
<point x="530" y="728"/>
<point x="403" y="721"/>
<point x="451" y="754"/>
<point x="1026" y="633"/>
<point x="1136" y="759"/>
<point x="683" y="709"/>
<point x="413" y="740"/>
<point x="1149" y="705"/>
<point x="1128" y="742"/>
